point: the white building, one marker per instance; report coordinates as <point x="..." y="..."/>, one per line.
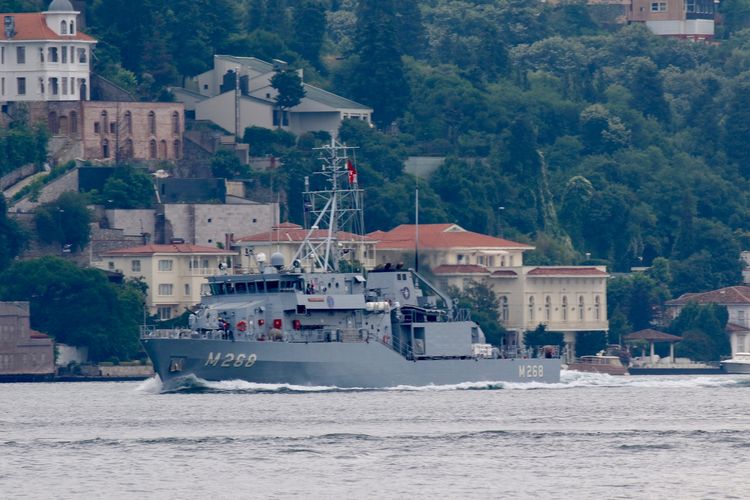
<point x="286" y="238"/>
<point x="43" y="56"/>
<point x="175" y="274"/>
<point x="212" y="96"/>
<point x="567" y="299"/>
<point x="737" y="301"/>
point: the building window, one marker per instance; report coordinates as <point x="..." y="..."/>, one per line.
<point x="41" y="86"/>
<point x="163" y="149"/>
<point x="504" y="312"/>
<point x="53" y="86"/>
<point x="284" y="118"/>
<point x="565" y="308"/>
<point x="658" y="6"/>
<point x="531" y="308"/>
<point x="480" y="260"/>
<point x="165" y="265"/>
<point x="187" y="289"/>
<point x="2" y="55"/>
<point x="111" y="265"/>
<point x="491" y="261"/>
<point x="128" y="149"/>
<point x="175" y="123"/>
<point x="165" y="289"/>
<point x="459" y="258"/>
<point x="21" y="86"/>
<point x="63" y="28"/>
<point x="41" y="54"/>
<point x="164" y="312"/>
<point x="105" y="148"/>
<point x="580" y="308"/>
<point x="64" y="86"/>
<point x="152" y="149"/>
<point x="177" y="150"/>
<point x="135" y="266"/>
<point x="105" y="125"/>
<point x="21" y="55"/>
<point x="63" y="55"/>
<point x="152" y="123"/>
<point x="72" y="27"/>
<point x="741" y="317"/>
<point x="128" y="122"/>
<point x="597" y="308"/>
<point x="547" y="308"/>
<point x="82" y="56"/>
<point x="52" y="54"/>
<point x="97" y="127"/>
<point x="52" y="122"/>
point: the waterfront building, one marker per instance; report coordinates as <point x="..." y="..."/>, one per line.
<point x="23" y="351"/>
<point x="175" y="273"/>
<point x="567" y="299"/>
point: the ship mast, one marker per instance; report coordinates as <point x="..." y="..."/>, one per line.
<point x="336" y="207"/>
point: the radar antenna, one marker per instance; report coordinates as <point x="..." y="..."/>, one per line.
<point x="337" y="207"/>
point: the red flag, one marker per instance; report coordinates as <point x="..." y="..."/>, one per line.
<point x="352" y="171"/>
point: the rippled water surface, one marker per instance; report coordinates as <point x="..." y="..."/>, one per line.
<point x="589" y="437"/>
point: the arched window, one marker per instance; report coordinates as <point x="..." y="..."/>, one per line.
<point x="580" y="308"/>
<point x="531" y="308"/>
<point x="175" y="123"/>
<point x="163" y="150"/>
<point x="63" y="28"/>
<point x="597" y="308"/>
<point x="547" y="308"/>
<point x="105" y="125"/>
<point x="152" y="123"/>
<point x="105" y="148"/>
<point x="63" y="125"/>
<point x="52" y="123"/>
<point x="72" y="27"/>
<point x="128" y="122"/>
<point x="177" y="150"/>
<point x="565" y="308"/>
<point x="504" y="313"/>
<point x="73" y="122"/>
<point x="128" y="149"/>
<point x="152" y="149"/>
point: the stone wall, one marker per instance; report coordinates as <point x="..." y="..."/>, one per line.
<point x="18" y="174"/>
<point x="49" y="192"/>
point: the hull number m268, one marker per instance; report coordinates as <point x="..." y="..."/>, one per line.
<point x="531" y="371"/>
<point x="230" y="359"/>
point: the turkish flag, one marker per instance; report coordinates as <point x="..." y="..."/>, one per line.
<point x="352" y="172"/>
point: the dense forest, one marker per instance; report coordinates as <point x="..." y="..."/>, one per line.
<point x="598" y="142"/>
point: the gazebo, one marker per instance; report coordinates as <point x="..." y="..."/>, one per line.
<point x="654" y="336"/>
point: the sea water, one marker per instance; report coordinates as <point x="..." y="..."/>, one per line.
<point x="589" y="437"/>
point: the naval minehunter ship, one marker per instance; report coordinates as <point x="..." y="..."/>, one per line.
<point x="307" y="323"/>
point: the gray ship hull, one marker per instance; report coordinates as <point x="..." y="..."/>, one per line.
<point x="335" y="364"/>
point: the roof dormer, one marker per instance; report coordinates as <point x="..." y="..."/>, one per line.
<point x="61" y="17"/>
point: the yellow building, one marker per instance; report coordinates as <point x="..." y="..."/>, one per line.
<point x="175" y="274"/>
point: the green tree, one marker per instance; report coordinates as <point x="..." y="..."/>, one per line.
<point x="309" y="28"/>
<point x="482" y="302"/>
<point x="128" y="187"/>
<point x="378" y="78"/>
<point x="12" y="237"/>
<point x="702" y="327"/>
<point x="540" y="337"/>
<point x="65" y="221"/>
<point x="77" y="306"/>
<point x="290" y="91"/>
<point x="225" y="164"/>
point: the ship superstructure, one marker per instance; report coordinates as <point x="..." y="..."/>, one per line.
<point x="308" y="323"/>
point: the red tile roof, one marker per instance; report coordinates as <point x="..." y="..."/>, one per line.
<point x="288" y="231"/>
<point x="729" y="295"/>
<point x="184" y="248"/>
<point x="37" y="335"/>
<point x="32" y="26"/>
<point x="440" y="236"/>
<point x="509" y="273"/>
<point x="460" y="269"/>
<point x="566" y="271"/>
